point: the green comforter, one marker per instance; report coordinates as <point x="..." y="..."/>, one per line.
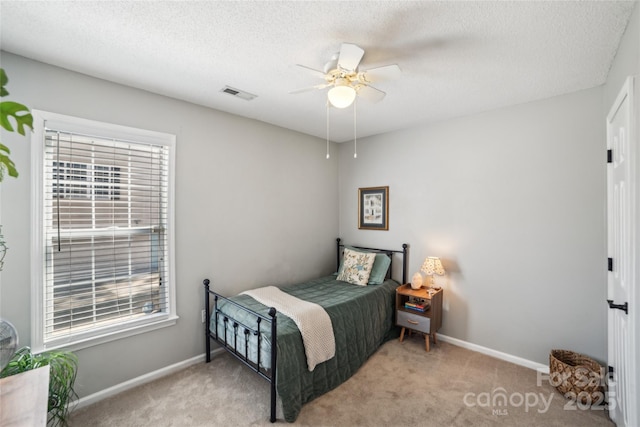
<point x="362" y="319"/>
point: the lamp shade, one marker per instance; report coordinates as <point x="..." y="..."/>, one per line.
<point x="341" y="95"/>
<point x="432" y="265"/>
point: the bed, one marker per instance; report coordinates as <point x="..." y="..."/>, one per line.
<point x="271" y="343"/>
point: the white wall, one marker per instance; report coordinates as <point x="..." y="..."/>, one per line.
<point x="513" y="201"/>
<point x="256" y="204"/>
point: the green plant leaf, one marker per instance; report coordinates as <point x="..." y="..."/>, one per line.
<point x="19" y="112"/>
<point x="3" y="82"/>
<point x="6" y="164"/>
<point x="22" y="117"/>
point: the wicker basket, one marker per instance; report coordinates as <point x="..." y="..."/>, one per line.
<point x="576" y="376"/>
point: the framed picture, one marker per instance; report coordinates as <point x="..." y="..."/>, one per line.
<point x="373" y="208"/>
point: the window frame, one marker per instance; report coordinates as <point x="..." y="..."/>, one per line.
<point x="38" y="250"/>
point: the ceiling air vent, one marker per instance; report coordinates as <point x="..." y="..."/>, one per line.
<point x="238" y="93"/>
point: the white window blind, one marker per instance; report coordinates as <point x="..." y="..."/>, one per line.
<point x="105" y="239"/>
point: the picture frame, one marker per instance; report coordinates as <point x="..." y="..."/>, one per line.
<point x="373" y="208"/>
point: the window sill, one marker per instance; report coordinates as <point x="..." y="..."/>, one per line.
<point x="111" y="336"/>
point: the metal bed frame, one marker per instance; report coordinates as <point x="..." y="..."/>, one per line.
<point x="230" y="344"/>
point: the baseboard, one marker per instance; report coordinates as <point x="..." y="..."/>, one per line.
<point x="495" y="353"/>
<point x="143" y="379"/>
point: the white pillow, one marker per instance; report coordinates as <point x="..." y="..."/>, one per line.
<point x="356" y="267"/>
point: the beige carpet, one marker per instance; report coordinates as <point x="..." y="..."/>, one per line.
<point x="400" y="385"/>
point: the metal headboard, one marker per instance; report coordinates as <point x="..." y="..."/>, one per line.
<point x="389" y="252"/>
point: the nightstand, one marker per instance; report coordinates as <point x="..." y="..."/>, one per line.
<point x="427" y="322"/>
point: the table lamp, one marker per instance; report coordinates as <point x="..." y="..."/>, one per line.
<point x="431" y="266"/>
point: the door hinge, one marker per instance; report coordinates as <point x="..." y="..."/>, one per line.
<point x="610" y="380"/>
<point x="610" y="264"/>
<point x="624" y="307"/>
<point x="609" y="156"/>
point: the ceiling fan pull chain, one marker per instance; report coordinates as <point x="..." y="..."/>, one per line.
<point x="328" y="130"/>
<point x="355" y="136"/>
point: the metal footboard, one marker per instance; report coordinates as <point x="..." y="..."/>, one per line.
<point x="230" y="343"/>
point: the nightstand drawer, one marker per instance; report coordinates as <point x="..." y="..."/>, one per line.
<point x="413" y="321"/>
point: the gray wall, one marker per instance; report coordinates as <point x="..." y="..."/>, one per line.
<point x="514" y="202"/>
<point x="255" y="204"/>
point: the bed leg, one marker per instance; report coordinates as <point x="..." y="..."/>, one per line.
<point x="273" y="403"/>
<point x="207" y="344"/>
<point x="274" y="361"/>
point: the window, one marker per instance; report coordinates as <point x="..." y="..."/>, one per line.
<point x="103" y="231"/>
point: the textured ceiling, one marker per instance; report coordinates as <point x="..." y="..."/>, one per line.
<point x="457" y="58"/>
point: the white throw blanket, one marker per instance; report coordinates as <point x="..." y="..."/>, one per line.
<point x="312" y="321"/>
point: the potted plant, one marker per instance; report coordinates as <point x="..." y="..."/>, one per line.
<point x="63" y="367"/>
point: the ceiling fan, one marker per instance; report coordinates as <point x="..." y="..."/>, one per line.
<point x="346" y="81"/>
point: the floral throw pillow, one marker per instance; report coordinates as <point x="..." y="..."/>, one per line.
<point x="356" y="267"/>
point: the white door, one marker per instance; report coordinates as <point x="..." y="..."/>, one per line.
<point x="621" y="145"/>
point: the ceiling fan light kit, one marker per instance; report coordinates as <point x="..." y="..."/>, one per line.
<point x="341" y="95"/>
<point x="346" y="83"/>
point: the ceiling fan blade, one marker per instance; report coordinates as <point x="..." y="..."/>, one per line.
<point x="370" y="93"/>
<point x="309" y="89"/>
<point x="350" y="56"/>
<point x="315" y="72"/>
<point x="388" y="72"/>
